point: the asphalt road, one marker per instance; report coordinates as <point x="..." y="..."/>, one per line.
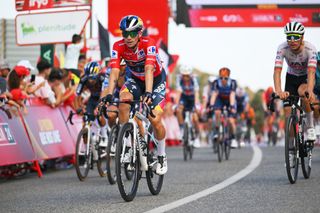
<point x="265" y="189"/>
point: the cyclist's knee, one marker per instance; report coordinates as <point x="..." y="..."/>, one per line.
<point x="126" y="96"/>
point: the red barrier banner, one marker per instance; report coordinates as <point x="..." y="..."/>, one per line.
<point x="48" y="132"/>
<point x="25" y="5"/>
<point x="15" y="146"/>
<point x="154" y="13"/>
<point x="77" y="122"/>
<point x="253" y="17"/>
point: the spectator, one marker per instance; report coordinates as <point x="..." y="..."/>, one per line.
<point x="55" y="80"/>
<point x="15" y="82"/>
<point x="73" y="52"/>
<point x="27" y="64"/>
<point x="4" y="68"/>
<point x="81" y="63"/>
<point x="45" y="92"/>
<point x="66" y="90"/>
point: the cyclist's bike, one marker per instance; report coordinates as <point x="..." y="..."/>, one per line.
<point x="295" y="144"/>
<point x="188" y="135"/>
<point x="221" y="140"/>
<point x="88" y="150"/>
<point x="135" y="154"/>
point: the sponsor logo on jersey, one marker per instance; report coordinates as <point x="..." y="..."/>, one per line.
<point x="114" y="54"/>
<point x="141" y="54"/>
<point x="151" y="50"/>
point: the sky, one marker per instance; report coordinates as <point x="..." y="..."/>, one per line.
<point x="248" y="52"/>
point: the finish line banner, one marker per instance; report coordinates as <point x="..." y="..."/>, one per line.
<point x="252" y="17"/>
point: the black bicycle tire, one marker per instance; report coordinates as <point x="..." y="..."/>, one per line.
<point x="292" y="177"/>
<point x="185" y="142"/>
<point x="81" y="176"/>
<point x="112" y="139"/>
<point x="154" y="190"/>
<point x="102" y="172"/>
<point x="305" y="150"/>
<point x="131" y="195"/>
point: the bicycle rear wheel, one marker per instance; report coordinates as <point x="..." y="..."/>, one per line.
<point x="111" y="152"/>
<point x="127" y="188"/>
<point x="154" y="180"/>
<point x="83" y="155"/>
<point x="291" y="147"/>
<point x="185" y="142"/>
<point x="102" y="159"/>
<point x="227" y="144"/>
<point x="220" y="143"/>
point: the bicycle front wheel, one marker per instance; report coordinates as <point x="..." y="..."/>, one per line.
<point x="126" y="162"/>
<point x="291" y="147"/>
<point x="154" y="180"/>
<point x="306" y="154"/>
<point x="83" y="154"/>
<point x="111" y="152"/>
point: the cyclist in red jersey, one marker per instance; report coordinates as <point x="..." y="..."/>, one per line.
<point x="270" y="118"/>
<point x="147" y="78"/>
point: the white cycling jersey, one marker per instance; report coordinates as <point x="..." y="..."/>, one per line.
<point x="297" y="63"/>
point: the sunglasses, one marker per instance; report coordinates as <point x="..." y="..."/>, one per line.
<point x="132" y="34"/>
<point x="294" y="37"/>
<point x="224" y="78"/>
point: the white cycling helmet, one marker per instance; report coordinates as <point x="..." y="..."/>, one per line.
<point x="294" y="27"/>
<point x="185" y="70"/>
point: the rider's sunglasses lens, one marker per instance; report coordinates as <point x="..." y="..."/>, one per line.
<point x="132" y="34"/>
<point x="224" y="78"/>
<point x="293" y="37"/>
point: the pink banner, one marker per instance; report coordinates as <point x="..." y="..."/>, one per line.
<point x="77" y="123"/>
<point x="15" y="146"/>
<point x="253" y="17"/>
<point x="48" y="132"/>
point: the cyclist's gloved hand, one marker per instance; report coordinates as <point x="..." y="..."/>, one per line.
<point x="106" y="99"/>
<point x="147" y="98"/>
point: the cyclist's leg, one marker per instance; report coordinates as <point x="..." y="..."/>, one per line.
<point x="311" y="133"/>
<point x="158" y="102"/>
<point x="179" y="112"/>
<point x="129" y="91"/>
<point x="112" y="116"/>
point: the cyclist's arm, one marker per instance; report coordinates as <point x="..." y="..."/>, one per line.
<point x="233" y="93"/>
<point x="264" y="104"/>
<point x="232" y="98"/>
<point x="277" y="79"/>
<point x="196" y="90"/>
<point x="214" y="93"/>
<point x="149" y="70"/>
<point x="114" y="76"/>
<point x="213" y="97"/>
<point x="177" y="100"/>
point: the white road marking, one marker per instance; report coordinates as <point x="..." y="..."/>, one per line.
<point x="255" y="162"/>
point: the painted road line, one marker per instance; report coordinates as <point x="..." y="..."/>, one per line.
<point x="255" y="162"/>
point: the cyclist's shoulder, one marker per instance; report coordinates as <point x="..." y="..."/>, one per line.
<point x="119" y="43"/>
<point x="309" y="46"/>
<point x="283" y="46"/>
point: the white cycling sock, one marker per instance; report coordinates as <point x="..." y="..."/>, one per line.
<point x="161" y="147"/>
<point x="104" y="131"/>
<point x="310" y="122"/>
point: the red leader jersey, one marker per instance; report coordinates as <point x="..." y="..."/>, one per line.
<point x="146" y="54"/>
